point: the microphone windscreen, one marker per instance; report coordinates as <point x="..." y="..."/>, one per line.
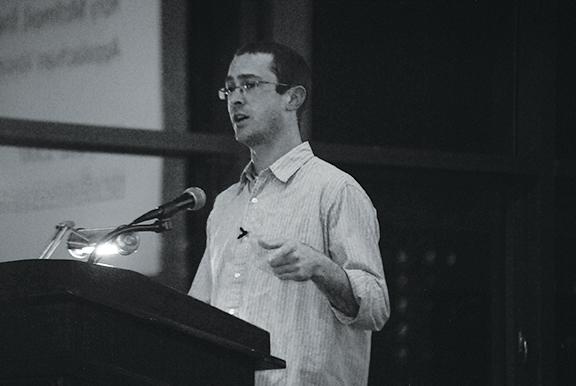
<point x="199" y="197"/>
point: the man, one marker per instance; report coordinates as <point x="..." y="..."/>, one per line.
<point x="293" y="246"/>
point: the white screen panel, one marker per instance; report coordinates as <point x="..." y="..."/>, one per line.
<point x="81" y="61"/>
<point x="41" y="188"/>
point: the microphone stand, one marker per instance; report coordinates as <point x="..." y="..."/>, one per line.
<point x="61" y="230"/>
<point x="159" y="226"/>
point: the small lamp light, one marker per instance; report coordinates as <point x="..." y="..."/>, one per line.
<point x="82" y="242"/>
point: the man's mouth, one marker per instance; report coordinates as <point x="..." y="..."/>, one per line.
<point x="238" y="117"/>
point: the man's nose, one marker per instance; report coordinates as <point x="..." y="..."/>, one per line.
<point x="236" y="96"/>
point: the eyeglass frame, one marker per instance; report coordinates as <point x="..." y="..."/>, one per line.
<point x="245" y="86"/>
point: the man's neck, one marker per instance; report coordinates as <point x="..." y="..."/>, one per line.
<point x="266" y="154"/>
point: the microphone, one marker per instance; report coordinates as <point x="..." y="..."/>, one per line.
<point x="192" y="199"/>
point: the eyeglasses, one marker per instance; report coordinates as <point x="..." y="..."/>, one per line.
<point x="245" y="87"/>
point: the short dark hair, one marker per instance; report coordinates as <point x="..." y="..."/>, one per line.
<point x="287" y="64"/>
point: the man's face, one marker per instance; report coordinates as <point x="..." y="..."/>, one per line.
<point x="255" y="113"/>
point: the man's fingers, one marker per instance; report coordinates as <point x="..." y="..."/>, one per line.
<point x="281" y="251"/>
<point x="295" y="276"/>
<point x="280" y="258"/>
<point x="270" y="243"/>
<point x="285" y="269"/>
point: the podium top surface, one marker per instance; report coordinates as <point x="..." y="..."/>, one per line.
<point x="135" y="294"/>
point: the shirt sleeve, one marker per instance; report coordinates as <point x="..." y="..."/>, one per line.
<point x="353" y="236"/>
<point x="201" y="288"/>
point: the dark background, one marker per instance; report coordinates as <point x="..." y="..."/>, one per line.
<point x="456" y="117"/>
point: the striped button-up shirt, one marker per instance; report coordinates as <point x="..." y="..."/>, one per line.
<point x="304" y="198"/>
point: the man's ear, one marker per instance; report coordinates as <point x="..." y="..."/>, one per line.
<point x="297" y="95"/>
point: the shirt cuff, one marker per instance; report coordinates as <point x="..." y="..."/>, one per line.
<point x="355" y="277"/>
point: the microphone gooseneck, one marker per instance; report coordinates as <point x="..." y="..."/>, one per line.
<point x="192" y="198"/>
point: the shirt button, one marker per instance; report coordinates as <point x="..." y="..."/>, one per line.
<point x="254" y="200"/>
<point x="237" y="275"/>
<point x="232" y="311"/>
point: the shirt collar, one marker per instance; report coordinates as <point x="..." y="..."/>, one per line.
<point x="284" y="167"/>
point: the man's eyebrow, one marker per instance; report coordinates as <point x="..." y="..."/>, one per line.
<point x="242" y="77"/>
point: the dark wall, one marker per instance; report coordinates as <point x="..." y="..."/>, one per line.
<point x="417" y="74"/>
<point x="456" y="117"/>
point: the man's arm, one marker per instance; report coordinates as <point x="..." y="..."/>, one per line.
<point x="333" y="281"/>
<point x="351" y="276"/>
<point x="292" y="260"/>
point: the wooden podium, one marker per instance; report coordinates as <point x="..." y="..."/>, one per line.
<point x="65" y="322"/>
